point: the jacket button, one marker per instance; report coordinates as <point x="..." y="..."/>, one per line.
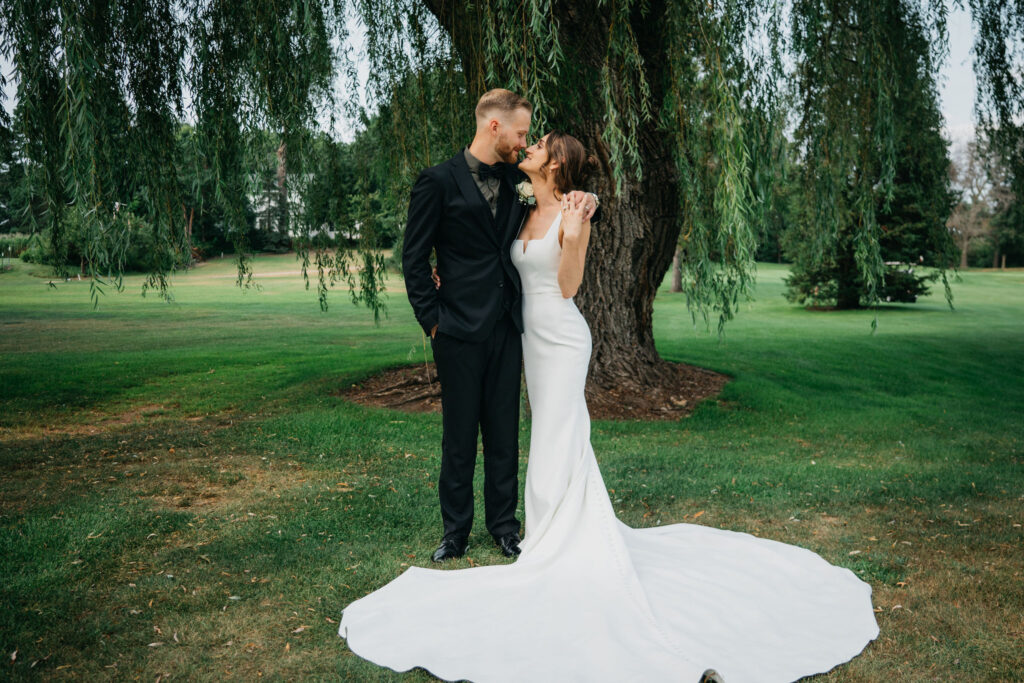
<point x="501" y="284"/>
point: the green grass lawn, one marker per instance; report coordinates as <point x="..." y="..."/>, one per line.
<point x="183" y="495"/>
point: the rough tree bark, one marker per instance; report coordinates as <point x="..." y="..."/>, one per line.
<point x="631" y="250"/>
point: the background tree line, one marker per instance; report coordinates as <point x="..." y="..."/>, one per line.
<point x="345" y="194"/>
<point x="947" y="199"/>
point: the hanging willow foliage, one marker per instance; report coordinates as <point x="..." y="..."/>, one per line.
<point x="101" y="93"/>
<point x="850" y="58"/>
<point x="687" y="105"/>
<point x="999" y="64"/>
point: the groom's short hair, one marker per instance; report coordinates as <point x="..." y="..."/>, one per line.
<point x="501" y="100"/>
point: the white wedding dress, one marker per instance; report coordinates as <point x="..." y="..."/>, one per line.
<point x="591" y="599"/>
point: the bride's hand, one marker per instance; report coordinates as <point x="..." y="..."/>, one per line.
<point x="588" y="200"/>
<point x="573" y="215"/>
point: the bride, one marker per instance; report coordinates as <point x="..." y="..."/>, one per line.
<point x="589" y="598"/>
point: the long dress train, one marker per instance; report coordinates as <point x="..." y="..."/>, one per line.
<point x="591" y="599"/>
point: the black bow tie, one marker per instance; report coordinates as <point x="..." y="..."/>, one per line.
<point x="485" y="171"/>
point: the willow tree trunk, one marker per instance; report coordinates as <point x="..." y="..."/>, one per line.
<point x="281" y="224"/>
<point x="630" y="251"/>
<point x="677" y="272"/>
<point x="631" y="248"/>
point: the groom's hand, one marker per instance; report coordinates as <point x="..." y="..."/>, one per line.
<point x="433" y="331"/>
<point x="587" y="199"/>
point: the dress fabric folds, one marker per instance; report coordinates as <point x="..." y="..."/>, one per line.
<point x="590" y="598"/>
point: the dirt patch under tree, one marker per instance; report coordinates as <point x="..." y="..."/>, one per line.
<point x="415" y="388"/>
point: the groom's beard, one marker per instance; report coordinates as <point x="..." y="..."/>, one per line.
<point x="509" y="153"/>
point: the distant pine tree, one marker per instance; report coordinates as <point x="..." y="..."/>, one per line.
<point x="906" y="214"/>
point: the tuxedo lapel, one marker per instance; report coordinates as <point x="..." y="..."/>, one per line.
<point x="516" y="211"/>
<point x="506" y="208"/>
<point x="471" y="193"/>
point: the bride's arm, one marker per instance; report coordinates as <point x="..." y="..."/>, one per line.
<point x="574" y="238"/>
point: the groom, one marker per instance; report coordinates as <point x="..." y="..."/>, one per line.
<point x="466" y="210"/>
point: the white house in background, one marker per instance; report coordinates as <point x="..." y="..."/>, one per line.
<point x="264" y="204"/>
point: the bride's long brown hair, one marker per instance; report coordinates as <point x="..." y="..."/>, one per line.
<point x="574" y="164"/>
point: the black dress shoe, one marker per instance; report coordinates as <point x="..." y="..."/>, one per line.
<point x="711" y="676"/>
<point x="509" y="544"/>
<point x="449" y="548"/>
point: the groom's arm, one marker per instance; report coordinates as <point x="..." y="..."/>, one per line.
<point x="426" y="206"/>
<point x="592" y="208"/>
<point x="593" y="214"/>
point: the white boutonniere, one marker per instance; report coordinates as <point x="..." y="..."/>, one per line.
<point x="525" y="192"/>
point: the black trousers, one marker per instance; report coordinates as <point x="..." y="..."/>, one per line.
<point x="479" y="394"/>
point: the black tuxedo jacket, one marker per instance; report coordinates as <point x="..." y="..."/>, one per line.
<point x="448" y="214"/>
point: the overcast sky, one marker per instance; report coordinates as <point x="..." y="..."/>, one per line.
<point x="956" y="83"/>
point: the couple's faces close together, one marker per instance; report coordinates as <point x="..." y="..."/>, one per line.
<point x="511" y="139"/>
<point x="537" y="156"/>
<point x="512" y="130"/>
